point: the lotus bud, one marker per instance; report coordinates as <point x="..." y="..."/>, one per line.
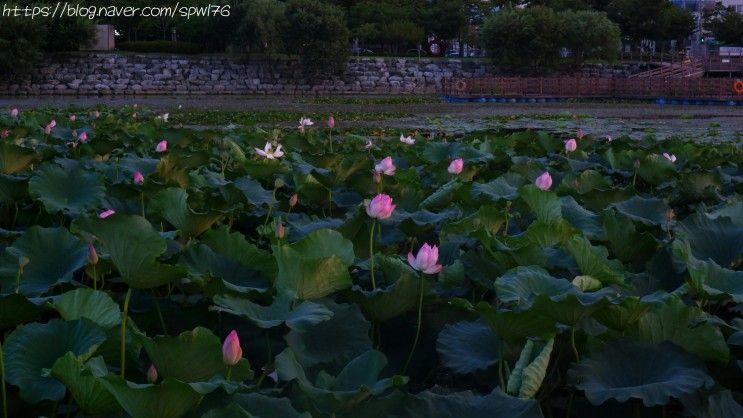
<point x="5" y="133"/>
<point x="571" y="145"/>
<point x="162" y="146"/>
<point x="138" y="177"/>
<point x="152" y="374"/>
<point x="92" y="255"/>
<point x="293" y="200"/>
<point x="280" y="231"/>
<point x="580" y="134"/>
<point x="456" y="166"/>
<point x="14" y="113"/>
<point x="331" y="121"/>
<point x="637" y="164"/>
<point x="106" y="213"/>
<point x="73" y="118"/>
<point x="231" y="350"/>
<point x="83" y="137"/>
<point x="544" y="182"/>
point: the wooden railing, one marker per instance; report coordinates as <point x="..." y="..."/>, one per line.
<point x="593" y="87"/>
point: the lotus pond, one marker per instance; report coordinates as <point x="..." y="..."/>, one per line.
<point x="155" y="271"/>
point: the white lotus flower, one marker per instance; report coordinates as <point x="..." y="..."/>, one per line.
<point x="269" y="152"/>
<point x="407" y="139"/>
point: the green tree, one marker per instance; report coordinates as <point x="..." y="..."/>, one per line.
<point x="445" y="18"/>
<point x="725" y="24"/>
<point x="523" y="39"/>
<point x="589" y="35"/>
<point x="68" y="34"/>
<point x="20" y="44"/>
<point x="317" y="32"/>
<point x="657" y="20"/>
<point x="262" y="25"/>
<point x="394" y="24"/>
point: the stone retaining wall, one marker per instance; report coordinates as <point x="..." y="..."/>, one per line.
<point x="103" y="74"/>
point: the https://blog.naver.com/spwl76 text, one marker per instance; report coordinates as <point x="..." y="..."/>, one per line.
<point x="67" y="9"/>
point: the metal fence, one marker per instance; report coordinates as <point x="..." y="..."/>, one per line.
<point x="594" y="87"/>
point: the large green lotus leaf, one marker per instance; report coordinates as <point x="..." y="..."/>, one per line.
<point x="133" y="245"/>
<point x="236" y="247"/>
<point x="192" y="356"/>
<point x="529" y="371"/>
<point x="623" y="315"/>
<point x="337" y="340"/>
<point x="12" y="188"/>
<point x="678" y="323"/>
<point x="650" y="211"/>
<point x="732" y="210"/>
<point x="442" y="195"/>
<point x="656" y="169"/>
<point x="92" y="304"/>
<point x="281" y="311"/>
<point x="571" y="307"/>
<point x="708" y="277"/>
<point x="628" y="369"/>
<point x="15" y="309"/>
<point x="720" y="404"/>
<point x="717" y="239"/>
<point x="54" y="256"/>
<point x="263" y="406"/>
<point x="544" y="204"/>
<point x="172" y="205"/>
<point x="499" y="189"/>
<point x="513" y="326"/>
<point x="356" y="381"/>
<point x="176" y="164"/>
<point x="393" y="298"/>
<point x="435" y="404"/>
<point x="14" y="158"/>
<point x="625" y="242"/>
<point x="83" y="382"/>
<point x="468" y="346"/>
<point x="233" y="410"/>
<point x="437" y="152"/>
<point x="73" y="192"/>
<point x="489" y="218"/>
<point x="521" y="285"/>
<point x="593" y="261"/>
<point x="169" y="399"/>
<point x="254" y="193"/>
<point x="315" y="266"/>
<point x="539" y="235"/>
<point x="201" y="260"/>
<point x="582" y="218"/>
<point x="583" y="182"/>
<point x="33" y="348"/>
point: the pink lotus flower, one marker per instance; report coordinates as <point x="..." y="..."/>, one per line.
<point x="73" y="118"/>
<point x="83" y="137"/>
<point x="53" y="123"/>
<point x="96" y="114"/>
<point x="426" y="260"/>
<point x="162" y="146"/>
<point x="571" y="145"/>
<point x="669" y="157"/>
<point x="331" y="122"/>
<point x="304" y="123"/>
<point x="407" y="139"/>
<point x="138" y="177"/>
<point x="544" y="181"/>
<point x="580" y="134"/>
<point x="231" y="350"/>
<point x="386" y="166"/>
<point x="368" y="145"/>
<point x="269" y="152"/>
<point x="293" y="200"/>
<point x="152" y="374"/>
<point x="456" y="166"/>
<point x="280" y="231"/>
<point x="608" y="138"/>
<point x="14" y="113"/>
<point x="380" y="207"/>
<point x="92" y="255"/>
<point x="106" y="213"/>
<point x="134" y="115"/>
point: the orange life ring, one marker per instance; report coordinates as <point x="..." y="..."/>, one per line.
<point x="460" y="85"/>
<point x="738" y="87"/>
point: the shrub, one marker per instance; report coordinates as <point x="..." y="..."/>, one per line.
<point x="317" y="32"/>
<point x="20" y="44"/>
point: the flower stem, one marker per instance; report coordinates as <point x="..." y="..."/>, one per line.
<point x="18" y="280"/>
<point x="229" y="372"/>
<point x="371" y="255"/>
<point x="330" y="140"/>
<point x="141" y="203"/>
<point x="417" y="328"/>
<point x="95" y="279"/>
<point x="159" y="313"/>
<point x="572" y="344"/>
<point x="2" y="382"/>
<point x="123" y="332"/>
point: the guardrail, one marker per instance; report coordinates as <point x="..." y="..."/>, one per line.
<point x="594" y="87"/>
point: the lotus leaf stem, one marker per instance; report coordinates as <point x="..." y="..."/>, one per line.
<point x="418" y="326"/>
<point x="371" y="255"/>
<point x="123" y="332"/>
